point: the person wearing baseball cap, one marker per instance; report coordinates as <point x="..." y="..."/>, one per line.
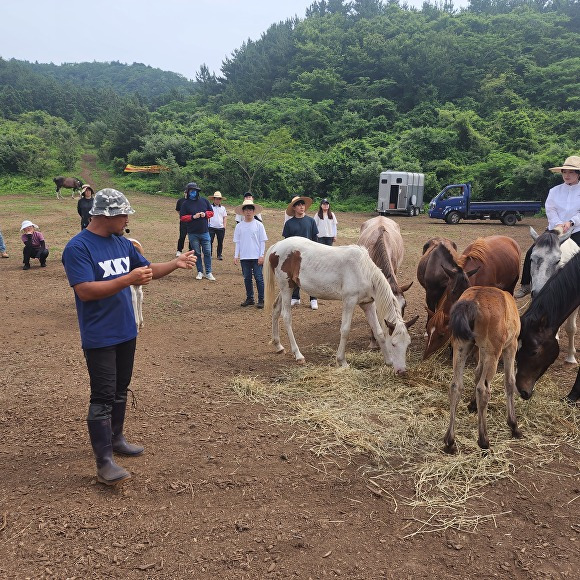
<point x="563" y="212"/>
<point x="101" y="265"/>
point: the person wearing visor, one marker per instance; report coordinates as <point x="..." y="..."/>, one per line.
<point x="101" y="265"/>
<point x="195" y="212"/>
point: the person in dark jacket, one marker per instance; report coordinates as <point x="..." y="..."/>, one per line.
<point x="85" y="204"/>
<point x="195" y="213"/>
<point x="182" y="227"/>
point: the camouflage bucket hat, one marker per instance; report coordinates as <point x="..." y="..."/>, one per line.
<point x="110" y="202"/>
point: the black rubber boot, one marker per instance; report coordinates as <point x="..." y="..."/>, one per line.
<point x="120" y="444"/>
<point x="573" y="397"/>
<point x="108" y="472"/>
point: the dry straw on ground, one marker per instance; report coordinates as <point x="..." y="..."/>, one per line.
<point x="398" y="425"/>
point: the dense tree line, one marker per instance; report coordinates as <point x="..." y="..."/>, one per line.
<point x="488" y="94"/>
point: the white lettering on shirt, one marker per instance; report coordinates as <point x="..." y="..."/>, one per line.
<point x="115" y="267"/>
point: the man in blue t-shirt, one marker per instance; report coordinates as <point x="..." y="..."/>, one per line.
<point x="101" y="266"/>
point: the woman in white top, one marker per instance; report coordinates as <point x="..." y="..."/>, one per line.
<point x="326" y="223"/>
<point x="217" y="223"/>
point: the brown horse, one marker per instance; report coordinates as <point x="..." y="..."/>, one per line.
<point x="437" y="252"/>
<point x="491" y="261"/>
<point x="487" y="318"/>
<point x="68" y="183"/>
<point x="382" y="238"/>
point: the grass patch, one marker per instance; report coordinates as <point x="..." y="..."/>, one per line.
<point x="399" y="424"/>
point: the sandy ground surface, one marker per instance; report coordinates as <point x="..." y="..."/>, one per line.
<point x="222" y="491"/>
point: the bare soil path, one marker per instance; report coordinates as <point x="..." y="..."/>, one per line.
<point x="222" y="491"/>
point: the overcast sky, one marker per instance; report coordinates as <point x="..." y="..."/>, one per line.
<point x="173" y="35"/>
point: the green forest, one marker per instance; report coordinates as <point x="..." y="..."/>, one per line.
<point x="321" y="105"/>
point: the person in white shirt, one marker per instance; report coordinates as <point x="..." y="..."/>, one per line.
<point x="217" y="222"/>
<point x="326" y="223"/>
<point x="562" y="210"/>
<point x="257" y="215"/>
<point x="250" y="245"/>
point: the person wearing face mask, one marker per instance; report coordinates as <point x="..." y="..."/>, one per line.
<point x="562" y="210"/>
<point x="195" y="212"/>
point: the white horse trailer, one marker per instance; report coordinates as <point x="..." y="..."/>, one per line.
<point x="400" y="192"/>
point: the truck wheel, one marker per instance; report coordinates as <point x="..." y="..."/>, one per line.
<point x="453" y="217"/>
<point x="509" y="219"/>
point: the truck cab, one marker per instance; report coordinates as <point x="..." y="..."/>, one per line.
<point x="452" y="200"/>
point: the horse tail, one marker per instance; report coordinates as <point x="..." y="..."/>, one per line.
<point x="269" y="281"/>
<point x="462" y="319"/>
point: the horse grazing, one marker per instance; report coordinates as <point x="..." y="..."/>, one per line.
<point x="487" y="318"/>
<point x="491" y="261"/>
<point x="382" y="238"/>
<point x="68" y="183"/>
<point x="551" y="251"/>
<point x="437" y="252"/>
<point x="538" y="347"/>
<point x="335" y="273"/>
<point x="137" y="292"/>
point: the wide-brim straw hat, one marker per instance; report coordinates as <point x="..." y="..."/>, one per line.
<point x="85" y="187"/>
<point x="217" y="195"/>
<point x="27" y="224"/>
<point x="572" y="162"/>
<point x="239" y="209"/>
<point x="307" y="202"/>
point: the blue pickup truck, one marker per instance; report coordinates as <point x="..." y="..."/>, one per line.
<point x="453" y="204"/>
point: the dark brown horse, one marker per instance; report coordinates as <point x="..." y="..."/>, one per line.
<point x="548" y="310"/>
<point x="437" y="252"/>
<point x="487" y="318"/>
<point x="68" y="183"/>
<point x="492" y="261"/>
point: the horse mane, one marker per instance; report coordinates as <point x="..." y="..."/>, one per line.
<point x="479" y="250"/>
<point x="548" y="239"/>
<point x="380" y="256"/>
<point x="557" y="299"/>
<point x="385" y="300"/>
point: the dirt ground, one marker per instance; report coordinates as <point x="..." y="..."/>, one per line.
<point x="222" y="491"/>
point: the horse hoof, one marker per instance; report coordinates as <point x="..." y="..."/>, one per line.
<point x="450" y="449"/>
<point x="281" y="350"/>
<point x="300" y="361"/>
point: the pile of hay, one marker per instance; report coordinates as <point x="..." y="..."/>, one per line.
<point x="399" y="423"/>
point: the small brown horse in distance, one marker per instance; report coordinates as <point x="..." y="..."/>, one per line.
<point x="491" y="261"/>
<point x="382" y="238"/>
<point x="68" y="183"/>
<point x="487" y="318"/>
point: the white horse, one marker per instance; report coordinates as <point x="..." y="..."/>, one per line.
<point x="137" y="292"/>
<point x="335" y="273"/>
<point x="552" y="250"/>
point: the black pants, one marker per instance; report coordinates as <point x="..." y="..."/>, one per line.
<point x="220" y="233"/>
<point x="110" y="371"/>
<point x="527" y="267"/>
<point x="182" y="236"/>
<point x="30" y="252"/>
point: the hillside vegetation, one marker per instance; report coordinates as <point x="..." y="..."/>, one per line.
<point x="321" y="105"/>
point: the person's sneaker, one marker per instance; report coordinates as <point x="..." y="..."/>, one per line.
<point x="43" y="264"/>
<point x="5" y="255"/>
<point x="177" y="254"/>
<point x="314" y="304"/>
<point x="248" y="302"/>
<point x="260" y="304"/>
<point x="220" y="258"/>
<point x="210" y="277"/>
<point x="26" y="267"/>
<point x="295" y="302"/>
<point x="199" y="276"/>
<point x="524" y="290"/>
